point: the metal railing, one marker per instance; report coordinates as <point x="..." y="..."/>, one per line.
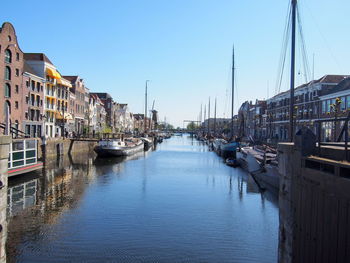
<point x="16" y="133"/>
<point x="342" y="139"/>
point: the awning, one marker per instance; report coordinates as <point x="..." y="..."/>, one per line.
<point x="67" y="116"/>
<point x="64" y="82"/>
<point x="59" y="116"/>
<point x="53" y="73"/>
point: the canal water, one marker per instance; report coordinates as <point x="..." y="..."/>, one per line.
<point x="177" y="203"/>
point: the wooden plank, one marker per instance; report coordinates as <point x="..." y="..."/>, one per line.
<point x="342" y="229"/>
<point x="298" y="203"/>
<point x="347" y="247"/>
<point x="325" y="220"/>
<point x="333" y="227"/>
<point x="313" y="230"/>
<point x="319" y="225"/>
<point x="307" y="223"/>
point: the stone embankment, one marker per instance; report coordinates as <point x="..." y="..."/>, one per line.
<point x="4" y="154"/>
<point x="53" y="147"/>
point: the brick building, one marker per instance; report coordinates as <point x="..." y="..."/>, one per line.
<point x="11" y="69"/>
<point x="334" y="103"/>
<point x="78" y="89"/>
<point x="62" y="114"/>
<point x="307" y="106"/>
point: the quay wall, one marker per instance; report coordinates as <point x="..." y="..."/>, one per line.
<point x="4" y="152"/>
<point x="314" y="203"/>
<point x="54" y="147"/>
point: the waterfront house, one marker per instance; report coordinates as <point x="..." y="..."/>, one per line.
<point x="334" y="103"/>
<point x="62" y="114"/>
<point x="124" y="119"/>
<point x="32" y="102"/>
<point x="306" y="110"/>
<point x="47" y="70"/>
<point x="78" y="89"/>
<point x="11" y="70"/>
<point x="108" y="104"/>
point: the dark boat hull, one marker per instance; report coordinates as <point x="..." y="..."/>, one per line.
<point x="110" y="152"/>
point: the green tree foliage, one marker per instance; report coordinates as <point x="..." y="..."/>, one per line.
<point x="192" y="126"/>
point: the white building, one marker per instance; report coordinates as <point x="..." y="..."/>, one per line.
<point x="124" y="118"/>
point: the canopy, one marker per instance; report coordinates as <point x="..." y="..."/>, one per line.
<point x="64" y="82"/>
<point x="53" y="73"/>
<point x="67" y="116"/>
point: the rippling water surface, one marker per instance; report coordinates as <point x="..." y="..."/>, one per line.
<point x="179" y="203"/>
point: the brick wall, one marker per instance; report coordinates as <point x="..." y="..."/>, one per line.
<point x="8" y="41"/>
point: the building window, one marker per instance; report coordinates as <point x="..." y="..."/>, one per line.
<point x="342" y="104"/>
<point x="16" y="105"/>
<point x="348" y="102"/>
<point x="324" y="106"/>
<point x="38" y="86"/>
<point x="7" y="107"/>
<point x="8" y="56"/>
<point x="7" y="90"/>
<point x="17" y="56"/>
<point x="33" y="85"/>
<point x="7" y="73"/>
<point x="27" y="84"/>
<point x="17" y="89"/>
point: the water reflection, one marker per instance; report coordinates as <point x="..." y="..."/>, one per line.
<point x="177" y="204"/>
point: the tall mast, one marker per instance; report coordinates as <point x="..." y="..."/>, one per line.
<point x="205" y="115"/>
<point x="292" y="73"/>
<point x="209" y="116"/>
<point x="200" y="118"/>
<point x="145" y="120"/>
<point x="215" y="117"/>
<point x="233" y="88"/>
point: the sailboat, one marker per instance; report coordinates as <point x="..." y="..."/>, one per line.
<point x="262" y="164"/>
<point x="228" y="149"/>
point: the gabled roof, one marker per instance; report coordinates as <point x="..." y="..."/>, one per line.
<point x="326" y="79"/>
<point x="37" y="57"/>
<point x="332" y="78"/>
<point x="343" y="85"/>
<point x="139" y="116"/>
<point x="96" y="98"/>
<point x="102" y="95"/>
<point x="71" y="78"/>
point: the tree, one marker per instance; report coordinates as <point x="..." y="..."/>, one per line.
<point x="192" y="126"/>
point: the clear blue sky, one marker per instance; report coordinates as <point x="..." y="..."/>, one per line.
<point x="183" y="46"/>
